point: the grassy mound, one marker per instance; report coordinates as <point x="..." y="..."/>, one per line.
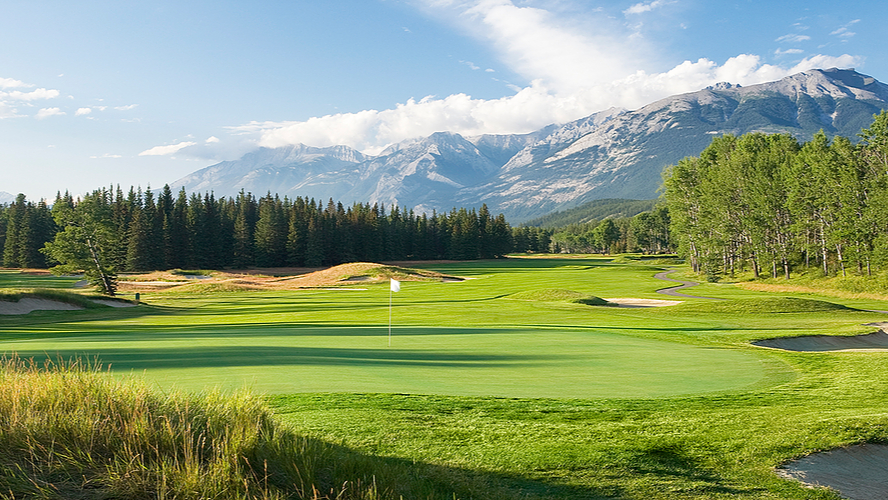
<point x="74" y="432"/>
<point x="78" y="299"/>
<point x="369" y="271"/>
<point x="559" y="295"/>
<point x="763" y="306"/>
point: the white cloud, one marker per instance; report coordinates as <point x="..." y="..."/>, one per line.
<point x="166" y="150"/>
<point x="82" y="111"/>
<point x="641" y="8"/>
<point x="793" y="38"/>
<point x="844" y="32"/>
<point x="788" y="51"/>
<point x="574" y="70"/>
<point x="47" y="112"/>
<point x="471" y="65"/>
<point x="17" y="95"/>
<point x="7" y="111"/>
<point x="212" y="139"/>
<point x="107" y="155"/>
<point x="563" y="51"/>
<point x="9" y="83"/>
<point x="125" y="108"/>
<point x="529" y="109"/>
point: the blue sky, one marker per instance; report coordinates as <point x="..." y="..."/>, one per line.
<point x="94" y="93"/>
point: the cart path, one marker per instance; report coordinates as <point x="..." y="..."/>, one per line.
<point x="674" y="290"/>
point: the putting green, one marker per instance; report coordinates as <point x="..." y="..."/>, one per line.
<point x="518" y="362"/>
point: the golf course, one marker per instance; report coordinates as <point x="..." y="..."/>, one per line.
<point x="497" y="379"/>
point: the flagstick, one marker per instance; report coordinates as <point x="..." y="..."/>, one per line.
<point x="390" y="316"/>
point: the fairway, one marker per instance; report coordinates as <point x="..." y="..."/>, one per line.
<point x="498" y="381"/>
<point x="519" y="362"/>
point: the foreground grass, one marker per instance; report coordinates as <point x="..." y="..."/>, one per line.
<point x="68" y="431"/>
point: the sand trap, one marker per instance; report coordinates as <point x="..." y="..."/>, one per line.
<point x="26" y="305"/>
<point x="876" y="341"/>
<point x="643" y="302"/>
<point x="856" y="472"/>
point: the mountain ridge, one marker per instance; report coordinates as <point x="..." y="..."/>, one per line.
<point x="611" y="154"/>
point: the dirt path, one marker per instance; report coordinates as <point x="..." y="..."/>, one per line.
<point x="674" y="290"/>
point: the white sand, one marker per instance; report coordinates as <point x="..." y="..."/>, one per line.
<point x="643" y="302"/>
<point x="876" y="341"/>
<point x="856" y="472"/>
<point x="26" y="305"/>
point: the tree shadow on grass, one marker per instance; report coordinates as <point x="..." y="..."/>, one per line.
<point x="674" y="462"/>
<point x="221" y="356"/>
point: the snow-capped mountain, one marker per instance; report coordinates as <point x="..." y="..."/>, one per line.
<point x="611" y="154"/>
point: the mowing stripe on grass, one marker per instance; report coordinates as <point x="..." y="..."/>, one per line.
<point x="516" y="362"/>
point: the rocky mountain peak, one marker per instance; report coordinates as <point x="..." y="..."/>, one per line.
<point x="611" y="154"/>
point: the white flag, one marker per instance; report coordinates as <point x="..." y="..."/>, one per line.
<point x="395" y="285"/>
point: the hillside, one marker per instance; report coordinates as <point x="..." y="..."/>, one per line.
<point x="592" y="211"/>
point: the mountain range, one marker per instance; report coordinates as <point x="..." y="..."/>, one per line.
<point x="611" y="154"/>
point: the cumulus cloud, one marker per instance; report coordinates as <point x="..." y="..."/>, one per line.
<point x="529" y="109"/>
<point x="125" y="108"/>
<point x="212" y="139"/>
<point x="82" y="111"/>
<point x="574" y="70"/>
<point x="10" y="83"/>
<point x="47" y="112"/>
<point x="166" y="150"/>
<point x="7" y="111"/>
<point x="641" y="8"/>
<point x="17" y="95"/>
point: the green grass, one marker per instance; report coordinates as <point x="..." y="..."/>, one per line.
<point x="494" y="397"/>
<point x="13" y="278"/>
<point x="560" y="295"/>
<point x="768" y="305"/>
<point x="71" y="431"/>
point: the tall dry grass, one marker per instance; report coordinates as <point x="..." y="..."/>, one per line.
<point x="68" y="430"/>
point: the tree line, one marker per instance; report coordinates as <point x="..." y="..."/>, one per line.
<point x="143" y="231"/>
<point x="647" y="232"/>
<point x="772" y="205"/>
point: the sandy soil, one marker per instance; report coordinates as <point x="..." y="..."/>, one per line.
<point x="856" y="472"/>
<point x="876" y="341"/>
<point x="643" y="302"/>
<point x="26" y="305"/>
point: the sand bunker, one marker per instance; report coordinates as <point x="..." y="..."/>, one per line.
<point x="856" y="472"/>
<point x="643" y="302"/>
<point x="29" y="304"/>
<point x="26" y="305"/>
<point x="876" y="341"/>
